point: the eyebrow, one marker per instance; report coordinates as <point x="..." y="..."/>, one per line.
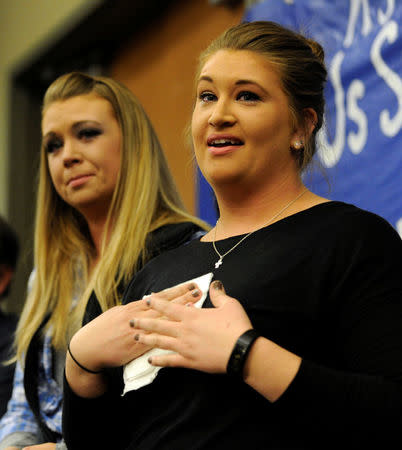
<point x="74" y="127"/>
<point x="237" y="83"/>
<point x="49" y="135"/>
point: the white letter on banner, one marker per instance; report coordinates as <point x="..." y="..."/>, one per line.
<point x="383" y="17"/>
<point x="331" y="154"/>
<point x="356" y="140"/>
<point x="399" y="226"/>
<point x="353" y="16"/>
<point x="389" y="126"/>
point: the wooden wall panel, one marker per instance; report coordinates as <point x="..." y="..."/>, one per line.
<point x="158" y="65"/>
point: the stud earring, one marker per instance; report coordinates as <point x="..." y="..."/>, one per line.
<point x="297" y="145"/>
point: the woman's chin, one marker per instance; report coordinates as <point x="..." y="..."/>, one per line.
<point x="224" y="179"/>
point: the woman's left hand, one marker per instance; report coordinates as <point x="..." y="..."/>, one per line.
<point x="203" y="339"/>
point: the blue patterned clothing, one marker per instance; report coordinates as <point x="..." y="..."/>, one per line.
<point x="19" y="417"/>
<point x="18" y="426"/>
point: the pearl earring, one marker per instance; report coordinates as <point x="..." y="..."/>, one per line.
<point x="297" y="145"/>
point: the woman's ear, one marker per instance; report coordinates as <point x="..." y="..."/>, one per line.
<point x="303" y="132"/>
<point x="310" y="120"/>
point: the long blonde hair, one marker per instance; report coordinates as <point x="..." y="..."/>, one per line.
<point x="145" y="198"/>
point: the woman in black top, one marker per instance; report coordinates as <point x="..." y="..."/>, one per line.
<point x="299" y="339"/>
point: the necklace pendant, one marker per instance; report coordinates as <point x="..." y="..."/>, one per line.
<point x="218" y="263"/>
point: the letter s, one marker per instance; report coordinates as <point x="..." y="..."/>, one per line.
<point x="356" y="140"/>
<point x="331" y="154"/>
<point x="389" y="126"/>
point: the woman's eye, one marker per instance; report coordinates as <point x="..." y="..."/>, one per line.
<point x="248" y="96"/>
<point x="207" y="97"/>
<point x="53" y="145"/>
<point x="89" y="133"/>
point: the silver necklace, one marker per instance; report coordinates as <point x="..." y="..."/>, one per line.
<point x="220" y="260"/>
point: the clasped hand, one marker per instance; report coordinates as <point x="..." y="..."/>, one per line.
<point x="202" y="339"/>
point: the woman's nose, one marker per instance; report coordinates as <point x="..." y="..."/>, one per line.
<point x="221" y="115"/>
<point x="71" y="154"/>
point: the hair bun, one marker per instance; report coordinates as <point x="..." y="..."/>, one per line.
<point x="317" y="49"/>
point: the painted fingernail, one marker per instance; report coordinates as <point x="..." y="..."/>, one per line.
<point x="136" y="337"/>
<point x="148" y="302"/>
<point x="217" y="285"/>
<point x="191" y="287"/>
<point x="132" y="323"/>
<point x="150" y="360"/>
<point x="195" y="293"/>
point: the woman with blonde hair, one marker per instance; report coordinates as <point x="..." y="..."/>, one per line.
<point x="106" y="204"/>
<point x="298" y="341"/>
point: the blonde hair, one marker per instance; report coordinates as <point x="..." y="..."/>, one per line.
<point x="299" y="62"/>
<point x="145" y="198"/>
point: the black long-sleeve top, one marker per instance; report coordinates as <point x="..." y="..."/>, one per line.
<point x="326" y="284"/>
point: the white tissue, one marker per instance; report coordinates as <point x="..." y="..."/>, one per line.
<point x="139" y="372"/>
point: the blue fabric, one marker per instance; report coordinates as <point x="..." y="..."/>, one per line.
<point x="19" y="417"/>
<point x="206" y="208"/>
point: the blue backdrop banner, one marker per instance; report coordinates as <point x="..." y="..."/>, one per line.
<point x="361" y="145"/>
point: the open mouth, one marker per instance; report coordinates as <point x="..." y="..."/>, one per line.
<point x="223" y="142"/>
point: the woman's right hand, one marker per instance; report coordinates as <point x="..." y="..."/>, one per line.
<point x="108" y="340"/>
